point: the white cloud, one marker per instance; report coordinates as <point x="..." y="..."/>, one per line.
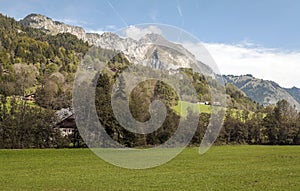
<point x="72" y="22"/>
<point x="108" y="28"/>
<point x="99" y="31"/>
<point x="111" y="27"/>
<point x="137" y="33"/>
<point x="133" y="32"/>
<point x="246" y="58"/>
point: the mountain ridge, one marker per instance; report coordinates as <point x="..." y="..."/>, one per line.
<point x="295" y="92"/>
<point x="137" y="51"/>
<point x="262" y="91"/>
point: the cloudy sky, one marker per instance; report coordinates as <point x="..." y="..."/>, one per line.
<point x="260" y="37"/>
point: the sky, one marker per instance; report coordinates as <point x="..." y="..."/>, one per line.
<point x="258" y="37"/>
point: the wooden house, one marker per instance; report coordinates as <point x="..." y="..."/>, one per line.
<point x="66" y="126"/>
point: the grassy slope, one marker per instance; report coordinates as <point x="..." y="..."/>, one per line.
<point x="222" y="168"/>
<point x="183" y="106"/>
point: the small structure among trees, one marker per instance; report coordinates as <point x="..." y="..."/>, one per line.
<point x="29" y="97"/>
<point x="66" y="126"/>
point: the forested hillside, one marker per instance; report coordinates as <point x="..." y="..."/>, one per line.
<point x="32" y="62"/>
<point x="35" y="63"/>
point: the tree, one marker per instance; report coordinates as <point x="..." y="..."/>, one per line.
<point x="281" y="123"/>
<point x="287" y="118"/>
<point x="24" y="126"/>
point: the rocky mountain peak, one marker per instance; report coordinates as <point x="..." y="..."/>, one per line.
<point x="36" y="17"/>
<point x="109" y="35"/>
<point x="52" y="27"/>
<point x="152" y="37"/>
<point x="171" y="55"/>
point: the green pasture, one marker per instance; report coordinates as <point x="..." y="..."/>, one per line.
<point x="221" y="168"/>
<point x="183" y="106"/>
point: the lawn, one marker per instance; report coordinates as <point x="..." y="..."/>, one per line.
<point x="221" y="168"/>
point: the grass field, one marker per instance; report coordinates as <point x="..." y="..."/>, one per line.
<point x="221" y="168"/>
<point x="182" y="108"/>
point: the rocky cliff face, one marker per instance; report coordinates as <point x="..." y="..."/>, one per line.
<point x="262" y="91"/>
<point x="52" y="27"/>
<point x="150" y="47"/>
<point x="168" y="55"/>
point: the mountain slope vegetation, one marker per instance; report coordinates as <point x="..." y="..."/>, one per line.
<point x="33" y="62"/>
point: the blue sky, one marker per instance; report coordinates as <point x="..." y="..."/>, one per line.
<point x="271" y="25"/>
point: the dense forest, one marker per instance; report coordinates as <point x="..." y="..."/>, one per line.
<point x="33" y="62"/>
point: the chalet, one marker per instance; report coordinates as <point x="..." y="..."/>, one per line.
<point x="29" y="97"/>
<point x="66" y="126"/>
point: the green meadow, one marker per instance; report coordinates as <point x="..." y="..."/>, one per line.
<point x="221" y="168"/>
<point x="183" y="106"/>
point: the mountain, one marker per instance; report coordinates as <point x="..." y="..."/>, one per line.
<point x="49" y="26"/>
<point x="163" y="54"/>
<point x="264" y="91"/>
<point x="153" y="48"/>
<point x="295" y="92"/>
<point x="52" y="27"/>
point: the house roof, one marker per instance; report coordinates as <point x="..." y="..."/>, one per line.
<point x="68" y="122"/>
